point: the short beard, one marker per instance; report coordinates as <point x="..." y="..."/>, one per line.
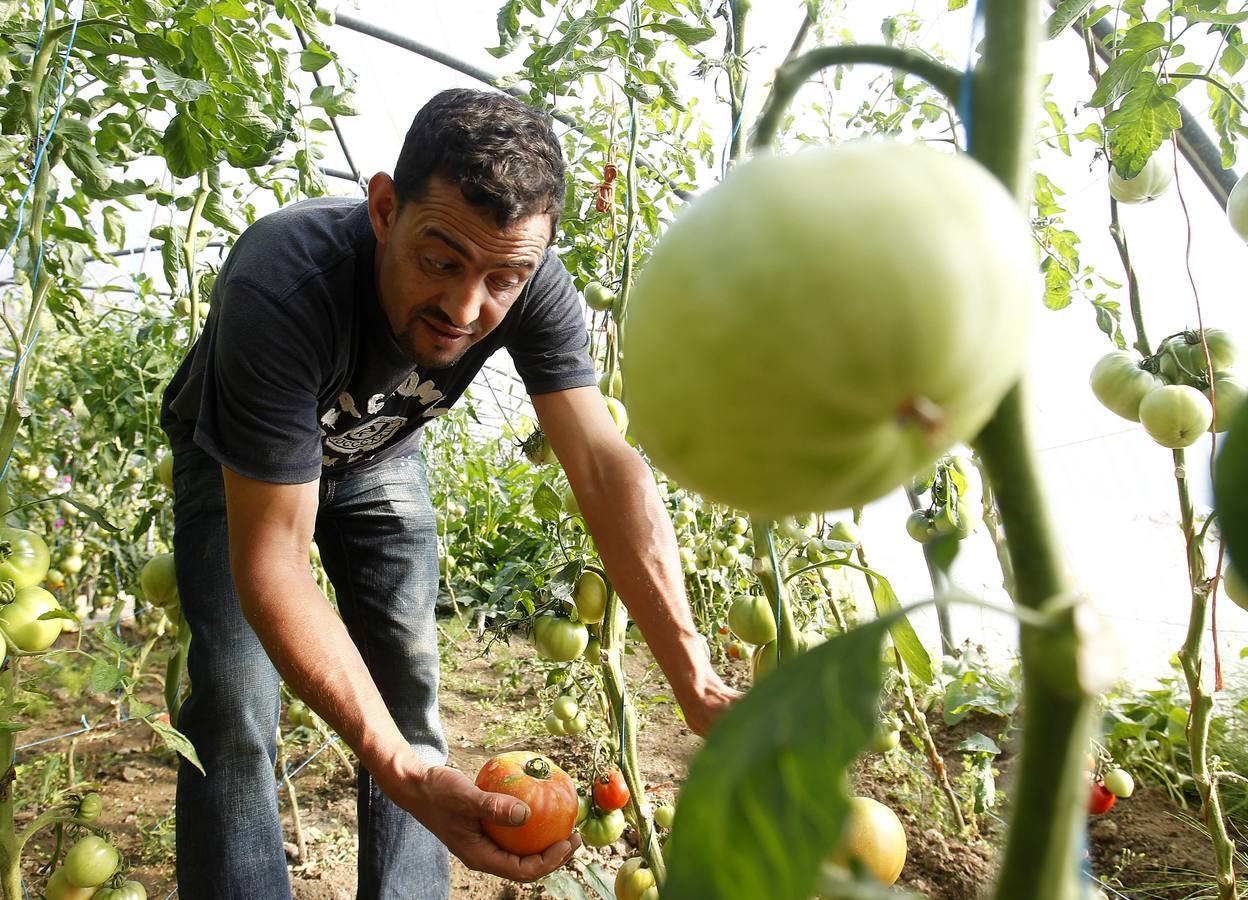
<point x="407" y="340"/>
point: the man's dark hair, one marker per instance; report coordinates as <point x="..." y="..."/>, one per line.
<point x="503" y="155"/>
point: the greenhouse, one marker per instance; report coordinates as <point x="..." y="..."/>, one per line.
<point x="623" y="449"/>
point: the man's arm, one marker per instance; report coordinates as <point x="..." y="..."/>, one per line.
<point x="633" y="532"/>
<point x="271" y="528"/>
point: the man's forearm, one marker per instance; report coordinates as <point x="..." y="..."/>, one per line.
<point x="635" y="538"/>
<point x="311" y="649"/>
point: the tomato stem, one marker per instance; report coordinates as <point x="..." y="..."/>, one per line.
<point x="794" y="73"/>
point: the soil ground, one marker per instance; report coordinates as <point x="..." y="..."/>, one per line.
<point x="493" y="700"/>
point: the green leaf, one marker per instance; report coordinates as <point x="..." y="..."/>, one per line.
<point x="171" y="255"/>
<point x="315" y="58"/>
<point x="1057" y="293"/>
<point x="176" y="741"/>
<point x="183" y="90"/>
<point x="92" y="513"/>
<point x="103" y="677"/>
<point x="958" y="4"/>
<point x="1119" y="77"/>
<point x="1144" y="120"/>
<point x="114" y="227"/>
<point x="186" y="146"/>
<point x="562" y="885"/>
<point x="1232" y="60"/>
<point x="690" y="34"/>
<point x="904" y="637"/>
<point x="980" y="743"/>
<point x="546" y="503"/>
<point x="1066" y="14"/>
<point x="1144" y="37"/>
<point x="764" y="803"/>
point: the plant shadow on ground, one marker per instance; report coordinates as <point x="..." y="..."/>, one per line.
<point x="494" y="699"/>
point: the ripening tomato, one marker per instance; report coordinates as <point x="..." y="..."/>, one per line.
<point x="1152" y="181"/>
<point x="633" y="880"/>
<point x="598" y="296"/>
<point x="544" y="787"/>
<point x="875" y="838"/>
<point x="1229" y="393"/>
<point x="1176" y="415"/>
<point x="1100" y="799"/>
<point x="611" y="791"/>
<point x="925" y="271"/>
<point x="59" y="888"/>
<point x="665" y="815"/>
<point x="24" y="557"/>
<point x="618" y="414"/>
<point x="1120" y="384"/>
<point x="159" y="581"/>
<point x="164" y="471"/>
<point x="1119" y="783"/>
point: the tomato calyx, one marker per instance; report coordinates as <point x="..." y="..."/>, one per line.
<point x="538" y="768"/>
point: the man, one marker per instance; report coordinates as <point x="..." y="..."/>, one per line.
<point x="337" y="329"/>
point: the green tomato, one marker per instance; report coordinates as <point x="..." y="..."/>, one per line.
<point x="924" y="269"/>
<point x="127" y="890"/>
<point x="1176" y="415"/>
<point x="1235" y="586"/>
<point x="737" y="524"/>
<point x="1120" y="783"/>
<point x="20" y="619"/>
<point x="1237" y="208"/>
<point x="583" y="808"/>
<point x="89" y="807"/>
<point x="598" y="831"/>
<point x="922" y="483"/>
<point x="886" y="740"/>
<point x="555" y="725"/>
<point x="1222" y="351"/>
<point x="598" y="296"/>
<point x="593" y="650"/>
<point x="565" y="707"/>
<point x="921" y="526"/>
<point x="1120" y="384"/>
<point x="619" y="414"/>
<point x="612" y="384"/>
<point x="752" y="620"/>
<point x="633" y="879"/>
<point x="1152" y="181"/>
<point x="159" y="581"/>
<point x="576" y="725"/>
<point x="164" y="471"/>
<point x="590" y="597"/>
<point x="559" y="639"/>
<point x="59" y="888"/>
<point x="91" y="862"/>
<point x="1230" y="394"/>
<point x="845" y="530"/>
<point x="767" y="655"/>
<point x="24" y="557"/>
<point x="664" y="815"/>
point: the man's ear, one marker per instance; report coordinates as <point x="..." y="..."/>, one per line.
<point x="382" y="205"/>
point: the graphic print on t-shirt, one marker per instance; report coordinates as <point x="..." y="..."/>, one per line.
<point x="347" y="434"/>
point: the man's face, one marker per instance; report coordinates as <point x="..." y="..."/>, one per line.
<point x="446" y="273"/>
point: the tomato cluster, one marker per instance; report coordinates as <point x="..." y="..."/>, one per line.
<point x="566" y="717"/>
<point x="956" y="505"/>
<point x="1173" y="393"/>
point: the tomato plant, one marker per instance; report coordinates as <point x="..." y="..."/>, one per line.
<point x="928" y="363"/>
<point x="610" y="791"/>
<point x="547" y="790"/>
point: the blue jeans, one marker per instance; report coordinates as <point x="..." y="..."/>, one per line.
<point x="376" y="533"/>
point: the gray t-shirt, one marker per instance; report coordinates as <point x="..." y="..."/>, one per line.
<point x="297" y="371"/>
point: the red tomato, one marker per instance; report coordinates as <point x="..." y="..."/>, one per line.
<point x="1100" y="800"/>
<point x="610" y="791"/>
<point x="546" y="788"/>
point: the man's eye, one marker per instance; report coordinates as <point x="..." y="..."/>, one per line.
<point x="506" y="284"/>
<point x="439" y="265"/>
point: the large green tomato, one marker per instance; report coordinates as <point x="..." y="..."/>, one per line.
<point x="1237" y="207"/>
<point x="598" y="296"/>
<point x="1120" y="384"/>
<point x="1222" y="351"/>
<point x="159" y="581"/>
<point x="875" y="838"/>
<point x="591" y="597"/>
<point x="164" y="471"/>
<point x="871" y="302"/>
<point x="1229" y="393"/>
<point x="1153" y="181"/>
<point x="1176" y="415"/>
<point x="558" y="639"/>
<point x="20" y="620"/>
<point x="633" y="879"/>
<point x="24" y="557"/>
<point x="751" y="619"/>
<point x="619" y="414"/>
<point x="91" y="862"/>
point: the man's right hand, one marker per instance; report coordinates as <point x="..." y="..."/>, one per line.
<point x="452" y="808"/>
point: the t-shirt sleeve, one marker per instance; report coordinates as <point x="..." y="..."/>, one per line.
<point x="258" y="409"/>
<point x="550" y="345"/>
